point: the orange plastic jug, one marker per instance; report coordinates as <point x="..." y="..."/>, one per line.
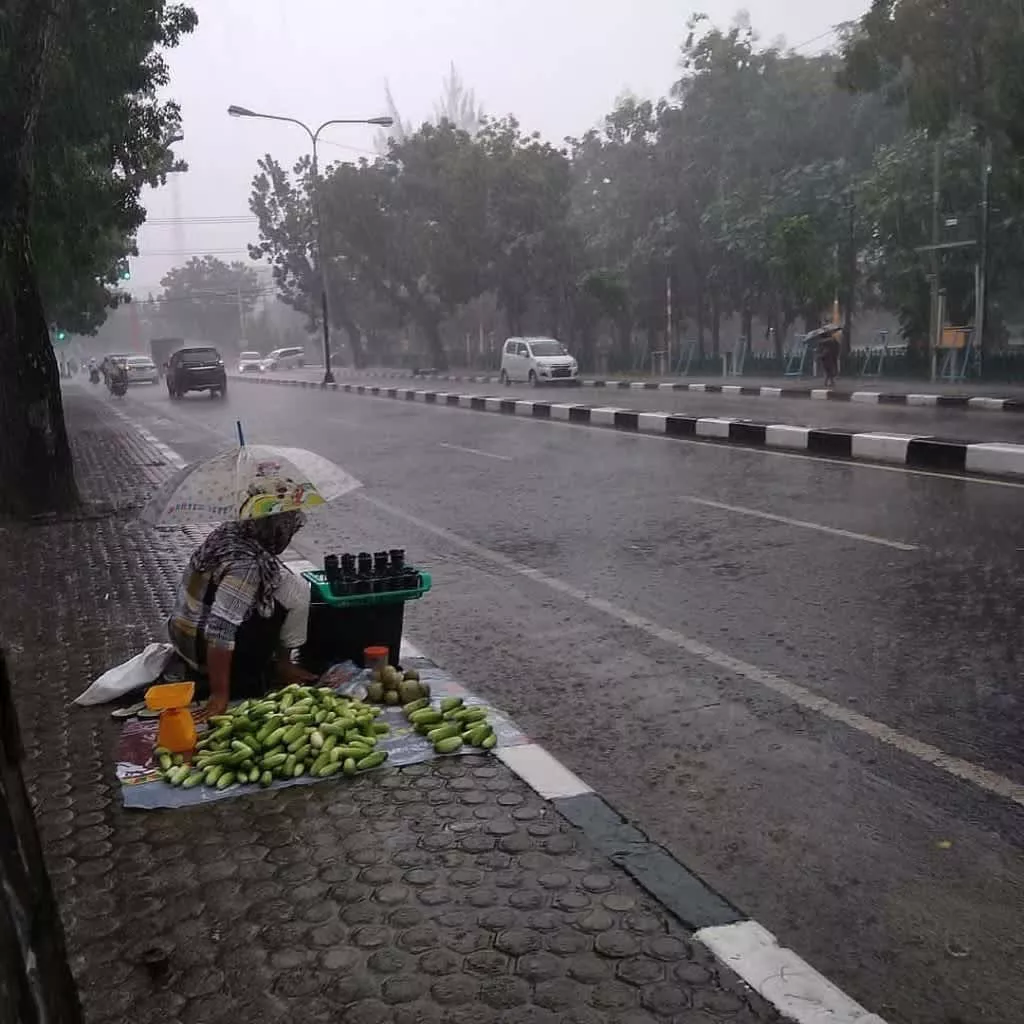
<point x="176" y="731"/>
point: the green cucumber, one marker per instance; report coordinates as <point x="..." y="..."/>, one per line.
<point x="442" y="732"/>
<point x="374" y="760"/>
<point x="448" y="746"/>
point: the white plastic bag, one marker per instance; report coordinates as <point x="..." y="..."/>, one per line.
<point x="136" y="672"/>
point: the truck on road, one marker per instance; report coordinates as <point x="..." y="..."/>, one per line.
<point x="161" y="349"/>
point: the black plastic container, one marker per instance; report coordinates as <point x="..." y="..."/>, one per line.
<point x="365" y="563"/>
<point x="396" y="558"/>
<point x="348" y="564"/>
<point x="342" y="634"/>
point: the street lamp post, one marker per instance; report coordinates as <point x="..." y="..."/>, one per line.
<point x="314" y="138"/>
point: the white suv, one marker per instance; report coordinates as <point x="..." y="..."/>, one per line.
<point x="285" y="359"/>
<point x="537" y="361"/>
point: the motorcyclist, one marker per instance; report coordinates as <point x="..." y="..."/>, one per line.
<point x="94" y="373"/>
<point x="117" y="378"/>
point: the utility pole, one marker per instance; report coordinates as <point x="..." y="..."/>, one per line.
<point x="981" y="296"/>
<point x="241" y="318"/>
<point x="934" y="325"/>
<point x="668" y="323"/>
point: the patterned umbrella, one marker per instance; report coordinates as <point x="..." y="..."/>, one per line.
<point x="247" y="482"/>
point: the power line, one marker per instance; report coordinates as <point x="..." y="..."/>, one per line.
<point x="213" y="219"/>
<point x="197" y="251"/>
<point x="807" y="42"/>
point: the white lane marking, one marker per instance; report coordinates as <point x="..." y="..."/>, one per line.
<point x="543" y="773"/>
<point x="790" y="984"/>
<point x="957" y="767"/>
<point x="473" y="451"/>
<point x="561" y="413"/>
<point x="803" y="523"/>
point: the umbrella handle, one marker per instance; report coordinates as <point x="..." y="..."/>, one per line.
<point x="241" y="436"/>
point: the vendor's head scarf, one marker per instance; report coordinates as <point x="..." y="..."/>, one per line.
<point x="251" y="541"/>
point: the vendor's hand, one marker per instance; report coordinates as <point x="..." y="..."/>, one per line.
<point x="288" y="673"/>
<point x="216" y="706"/>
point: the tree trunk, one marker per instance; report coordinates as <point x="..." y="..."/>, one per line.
<point x="36" y="985"/>
<point x="354" y="335"/>
<point x="432" y="329"/>
<point x="716" y="325"/>
<point x="747" y="325"/>
<point x="36" y="470"/>
<point x="700" y="324"/>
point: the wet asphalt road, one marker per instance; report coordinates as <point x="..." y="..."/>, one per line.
<point x="959" y="424"/>
<point x="902" y="882"/>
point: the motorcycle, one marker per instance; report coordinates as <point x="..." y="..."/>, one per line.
<point x="118" y="386"/>
<point x="94" y="376"/>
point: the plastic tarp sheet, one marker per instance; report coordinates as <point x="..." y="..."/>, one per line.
<point x="143" y="789"/>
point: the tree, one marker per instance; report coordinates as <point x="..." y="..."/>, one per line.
<point x="457" y="105"/>
<point x="81" y="131"/>
<point x="284" y="210"/>
<point x="209" y="299"/>
<point x="946" y="60"/>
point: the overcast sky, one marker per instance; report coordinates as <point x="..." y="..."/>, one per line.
<point x="558" y="65"/>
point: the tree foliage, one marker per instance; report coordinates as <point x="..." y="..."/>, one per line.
<point x="768" y="185"/>
<point x="82" y="130"/>
<point x="209" y="299"/>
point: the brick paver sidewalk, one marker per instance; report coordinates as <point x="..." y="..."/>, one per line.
<point x="446" y="892"/>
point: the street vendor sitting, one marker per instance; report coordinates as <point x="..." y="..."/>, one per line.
<point x="240" y="613"/>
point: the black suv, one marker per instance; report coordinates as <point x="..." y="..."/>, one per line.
<point x="196" y="369"/>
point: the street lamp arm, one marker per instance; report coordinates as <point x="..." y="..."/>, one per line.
<point x="276" y="117"/>
<point x="340" y="120"/>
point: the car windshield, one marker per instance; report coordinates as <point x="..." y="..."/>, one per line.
<point x="547" y="348"/>
<point x="249" y="355"/>
<point x="140" y="361"/>
<point x="197" y="356"/>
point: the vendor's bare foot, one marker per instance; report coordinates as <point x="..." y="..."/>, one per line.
<point x="288" y="673"/>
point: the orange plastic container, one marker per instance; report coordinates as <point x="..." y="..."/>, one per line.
<point x="375" y="658"/>
<point x="176" y="731"/>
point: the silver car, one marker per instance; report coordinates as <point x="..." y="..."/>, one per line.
<point x="250" y="362"/>
<point x="141" y="370"/>
<point x="285" y="359"/>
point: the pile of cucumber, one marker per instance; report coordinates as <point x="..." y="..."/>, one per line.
<point x="452" y="725"/>
<point x="290" y="733"/>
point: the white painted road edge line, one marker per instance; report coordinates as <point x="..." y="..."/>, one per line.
<point x="966" y="771"/>
<point x="781" y="977"/>
<point x="777" y="974"/>
<point x="542" y="772"/>
<point x="802" y="523"/>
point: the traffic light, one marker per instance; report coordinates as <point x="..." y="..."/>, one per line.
<point x="62" y="335"/>
<point x="124" y="272"/>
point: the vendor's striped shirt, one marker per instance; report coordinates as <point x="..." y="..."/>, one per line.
<point x="209" y="609"/>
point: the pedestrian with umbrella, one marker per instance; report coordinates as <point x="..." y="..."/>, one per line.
<point x="240" y="615"/>
<point x="826" y="339"/>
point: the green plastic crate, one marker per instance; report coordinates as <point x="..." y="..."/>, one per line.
<point x="317" y="579"/>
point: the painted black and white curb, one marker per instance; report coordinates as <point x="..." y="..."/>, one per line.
<point x="777" y="974"/>
<point x="922" y="399"/>
<point x="909" y="450"/>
